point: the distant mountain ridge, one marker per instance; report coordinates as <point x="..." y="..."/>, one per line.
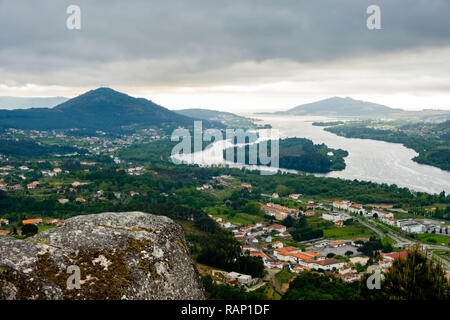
<point x="226" y="118"/>
<point x="337" y="106"/>
<point x="7" y="102"/>
<point x="205" y="114"/>
<point x="99" y="109"/>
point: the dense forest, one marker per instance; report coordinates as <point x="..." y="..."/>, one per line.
<point x="25" y="149"/>
<point x="299" y="154"/>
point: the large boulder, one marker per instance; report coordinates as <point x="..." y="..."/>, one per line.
<point x="128" y="255"/>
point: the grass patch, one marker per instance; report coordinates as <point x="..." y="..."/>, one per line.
<point x="434" y="238"/>
<point x="356" y="230"/>
<point x="284" y="276"/>
<point x="240" y="218"/>
<point x="45" y="227"/>
<point x="268" y="291"/>
<point x="444" y="254"/>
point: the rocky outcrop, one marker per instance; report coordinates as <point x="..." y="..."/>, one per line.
<point x="129" y="255"/>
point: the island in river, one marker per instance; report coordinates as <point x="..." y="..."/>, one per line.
<point x="299" y="154"/>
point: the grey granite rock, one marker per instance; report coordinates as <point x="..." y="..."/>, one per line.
<point x="129" y="255"/>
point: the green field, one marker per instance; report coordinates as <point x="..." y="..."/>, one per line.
<point x="443" y="254"/>
<point x="284" y="276"/>
<point x="45" y="227"/>
<point x="434" y="238"/>
<point x="269" y="292"/>
<point x="240" y="218"/>
<point x="356" y="230"/>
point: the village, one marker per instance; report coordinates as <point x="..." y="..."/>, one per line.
<point x="273" y="243"/>
<point x="266" y="233"/>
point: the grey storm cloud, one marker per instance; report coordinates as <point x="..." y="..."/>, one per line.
<point x="145" y="41"/>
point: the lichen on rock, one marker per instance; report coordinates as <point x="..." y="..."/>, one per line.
<point x="129" y="255"/>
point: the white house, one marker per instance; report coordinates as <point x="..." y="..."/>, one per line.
<point x="335" y="216"/>
<point x="357" y="208"/>
<point x="381" y="213"/>
<point x="225" y="224"/>
<point x="245" y="279"/>
<point x="241" y="278"/>
<point x="276" y="227"/>
<point x="340" y="205"/>
<point x="413" y="227"/>
<point x="277" y="245"/>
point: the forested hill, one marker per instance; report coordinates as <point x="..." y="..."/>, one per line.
<point x="27" y="148"/>
<point x="100" y="109"/>
<point x="337" y="106"/>
<point x="227" y="118"/>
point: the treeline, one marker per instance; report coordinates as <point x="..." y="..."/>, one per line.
<point x="327" y="124"/>
<point x="27" y="149"/>
<point x="412" y="278"/>
<point x="317" y="286"/>
<point x="225" y="291"/>
<point x="302" y="231"/>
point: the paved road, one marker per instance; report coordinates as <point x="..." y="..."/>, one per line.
<point x="400" y="240"/>
<point x="371" y="227"/>
<point x="259" y="285"/>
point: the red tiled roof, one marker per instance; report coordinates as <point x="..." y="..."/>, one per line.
<point x="31" y="221"/>
<point x="394" y="255"/>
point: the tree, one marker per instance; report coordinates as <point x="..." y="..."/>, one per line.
<point x="282" y="190"/>
<point x="288" y="222"/>
<point x="348" y="253"/>
<point x="253" y="266"/>
<point x="29" y="230"/>
<point x="370" y="247"/>
<point x="387" y="248"/>
<point x="206" y="224"/>
<point x="253" y="207"/>
<point x="412" y="278"/>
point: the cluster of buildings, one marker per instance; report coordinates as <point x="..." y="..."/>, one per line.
<point x="385" y="263"/>
<point x="136" y="171"/>
<point x="414" y="226"/>
<point x="258" y="241"/>
<point x="39" y="221"/>
<point x="350" y="207"/>
<point x="226" y="181"/>
<point x="338" y="218"/>
<point x="36" y="222"/>
<point x="52" y="173"/>
<point x="307" y="259"/>
<point x="406" y="225"/>
<point x="95" y="144"/>
<point x="279" y="212"/>
<point x="235" y="277"/>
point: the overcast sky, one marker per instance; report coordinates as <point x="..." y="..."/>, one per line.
<point x="238" y="55"/>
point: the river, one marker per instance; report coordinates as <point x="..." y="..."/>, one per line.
<point x="368" y="160"/>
